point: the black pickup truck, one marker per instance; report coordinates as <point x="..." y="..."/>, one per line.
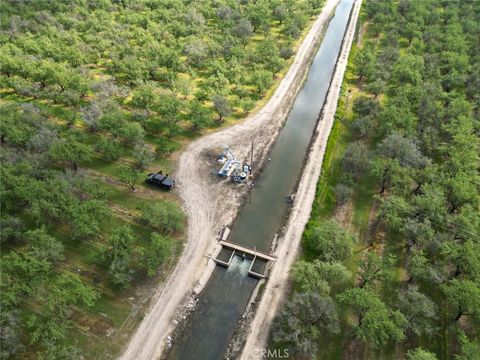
<point x="160" y="180"/>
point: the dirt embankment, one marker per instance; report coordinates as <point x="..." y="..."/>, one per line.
<point x="211" y="204"/>
<point x="287" y="250"/>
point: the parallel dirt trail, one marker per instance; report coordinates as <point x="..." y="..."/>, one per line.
<point x="287" y="250"/>
<point x="211" y="204"/>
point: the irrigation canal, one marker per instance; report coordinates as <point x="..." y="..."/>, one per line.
<point x="228" y="290"/>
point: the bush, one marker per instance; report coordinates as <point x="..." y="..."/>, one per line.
<point x="303" y="321"/>
<point x="109" y="149"/>
<point x="165" y="216"/>
<point x="158" y="250"/>
<point x="12" y="229"/>
<point x="328" y="241"/>
<point x="165" y="146"/>
<point x="118" y="256"/>
<point x="45" y="247"/>
<point x="143" y="156"/>
<point x="343" y="194"/>
<point x="356" y="159"/>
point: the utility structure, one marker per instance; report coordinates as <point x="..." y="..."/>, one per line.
<point x="256" y="257"/>
<point x="230" y="163"/>
<point x="232" y="167"/>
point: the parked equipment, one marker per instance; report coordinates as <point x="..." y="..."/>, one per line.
<point x="240" y="174"/>
<point x="160" y="180"/>
<point x="230" y="164"/>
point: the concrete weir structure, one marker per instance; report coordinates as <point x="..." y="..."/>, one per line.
<point x="246" y="253"/>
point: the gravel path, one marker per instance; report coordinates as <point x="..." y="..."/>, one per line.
<point x="211" y="204"/>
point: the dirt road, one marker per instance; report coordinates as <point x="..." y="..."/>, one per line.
<point x="211" y="204"/>
<point x="287" y="250"/>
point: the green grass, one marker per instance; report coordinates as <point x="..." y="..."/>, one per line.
<point x="362" y="206"/>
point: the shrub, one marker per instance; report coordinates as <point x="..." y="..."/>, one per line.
<point x="165" y="216"/>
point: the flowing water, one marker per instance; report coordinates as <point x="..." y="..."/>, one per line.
<point x="227" y="292"/>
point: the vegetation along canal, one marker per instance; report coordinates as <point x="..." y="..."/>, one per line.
<point x="224" y="298"/>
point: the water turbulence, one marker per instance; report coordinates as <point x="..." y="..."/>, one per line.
<point x="239" y="266"/>
<point x="221" y="304"/>
<point x="226" y="294"/>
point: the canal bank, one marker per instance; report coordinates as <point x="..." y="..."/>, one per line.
<point x="225" y="296"/>
<point x="254" y="336"/>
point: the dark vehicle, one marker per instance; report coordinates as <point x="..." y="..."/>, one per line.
<point x="160" y="180"/>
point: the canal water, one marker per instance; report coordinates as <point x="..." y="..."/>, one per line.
<point x="227" y="292"/>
